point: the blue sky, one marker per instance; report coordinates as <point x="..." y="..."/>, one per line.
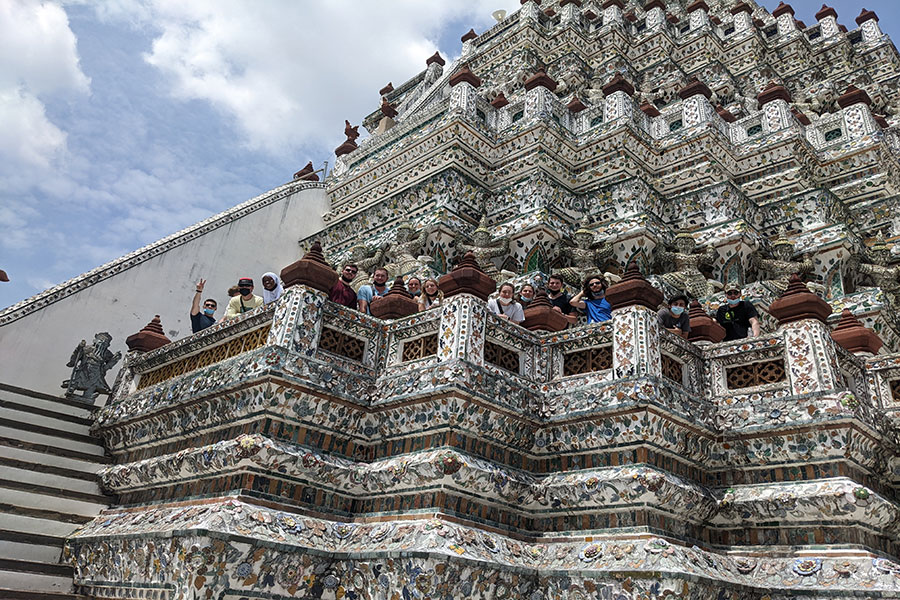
<point x="124" y="121"/>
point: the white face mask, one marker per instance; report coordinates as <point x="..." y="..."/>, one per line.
<point x="504" y="301"/>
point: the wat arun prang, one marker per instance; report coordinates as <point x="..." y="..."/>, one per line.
<point x="308" y="450"/>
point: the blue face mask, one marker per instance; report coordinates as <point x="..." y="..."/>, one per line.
<point x="733" y="301"/>
<point x="209" y="311"/>
<point x="676" y="310"/>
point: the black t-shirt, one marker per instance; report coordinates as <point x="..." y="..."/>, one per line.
<point x="736" y="320"/>
<point x="201" y="321"/>
<point x="562" y="301"/>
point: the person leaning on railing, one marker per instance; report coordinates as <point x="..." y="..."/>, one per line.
<point x="592" y="299"/>
<point x="737" y="316"/>
<point x="505" y="307"/>
<point x="675" y="316"/>
<point x="245" y="301"/>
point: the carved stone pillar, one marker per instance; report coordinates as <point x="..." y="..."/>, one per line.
<point x="868" y="25"/>
<point x="857" y="116"/>
<point x="530" y="12"/>
<point x="571" y="12"/>
<point x="468" y="42"/>
<point x="655" y="14"/>
<point x="463" y="97"/>
<point x="811" y="361"/>
<point x="777" y="112"/>
<point x="742" y="19"/>
<point x="695" y="109"/>
<point x="539" y="95"/>
<point x="297" y="324"/>
<point x="461" y="332"/>
<point x="635" y="342"/>
<point x="618" y="102"/>
<point x="784" y="17"/>
<point x="698" y="15"/>
<point x="828" y="25"/>
<point x="612" y="12"/>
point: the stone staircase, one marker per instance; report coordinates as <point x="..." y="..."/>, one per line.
<point x="48" y="488"/>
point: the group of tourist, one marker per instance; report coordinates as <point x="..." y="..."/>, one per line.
<point x="426" y="293"/>
<point x="738" y="317"/>
<point x="242" y="299"/>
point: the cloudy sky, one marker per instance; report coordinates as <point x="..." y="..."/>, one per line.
<point x="123" y="121"/>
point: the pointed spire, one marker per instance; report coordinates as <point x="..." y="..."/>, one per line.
<point x="540" y="79"/>
<point x="633" y="290"/>
<point x="772" y="92"/>
<point x="540" y="316"/>
<point x="467" y="278"/>
<point x="149" y="338"/>
<point x="312" y="270"/>
<point x="500" y="101"/>
<point x="866" y="15"/>
<point x="852" y="96"/>
<point x="797" y="303"/>
<point x="386" y="89"/>
<point x="694" y="87"/>
<point x="703" y="327"/>
<point x="854" y="337"/>
<point x="782" y="9"/>
<point x="307" y="173"/>
<point x="469" y="35"/>
<point x="618" y="84"/>
<point x="397" y="303"/>
<point x="826" y="11"/>
<point x="465" y="74"/>
<point x="576" y="105"/>
<point x="435" y="58"/>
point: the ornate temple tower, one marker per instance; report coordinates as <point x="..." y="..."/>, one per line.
<point x="309" y="450"/>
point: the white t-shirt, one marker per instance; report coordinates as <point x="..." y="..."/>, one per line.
<point x="513" y="310"/>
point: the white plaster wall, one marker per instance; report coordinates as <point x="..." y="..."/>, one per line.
<point x="34" y="349"/>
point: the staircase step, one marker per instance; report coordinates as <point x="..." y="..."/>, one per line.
<point x="46" y="514"/>
<point x="30" y="595"/>
<point x="50" y="553"/>
<point x="21" y="413"/>
<point x="35" y="576"/>
<point x="51" y="455"/>
<point x="22" y="472"/>
<point x="59" y="404"/>
<point x="38" y="525"/>
<point x="36" y="497"/>
<point x="36" y="434"/>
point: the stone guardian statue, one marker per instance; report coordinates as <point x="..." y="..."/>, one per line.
<point x="89" y="363"/>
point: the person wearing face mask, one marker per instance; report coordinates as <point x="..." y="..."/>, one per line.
<point x="526" y="295"/>
<point x="245" y="301"/>
<point x="675" y="317"/>
<point x="592" y="299"/>
<point x="737" y="316"/>
<point x="505" y="307"/>
<point x="201" y="319"/>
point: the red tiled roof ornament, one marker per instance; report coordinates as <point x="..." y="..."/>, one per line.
<point x="312" y="270"/>
<point x="633" y="290"/>
<point x="797" y="303"/>
<point x="853" y="336"/>
<point x="349" y="144"/>
<point x="149" y="338"/>
<point x="307" y="173"/>
<point x="540" y="79"/>
<point x="397" y="303"/>
<point x="703" y="327"/>
<point x="467" y="278"/>
<point x="540" y="316"/>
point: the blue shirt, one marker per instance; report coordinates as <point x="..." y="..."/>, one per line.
<point x="367" y="292"/>
<point x="598" y="310"/>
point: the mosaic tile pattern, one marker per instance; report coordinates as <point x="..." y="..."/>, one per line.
<point x="302" y="469"/>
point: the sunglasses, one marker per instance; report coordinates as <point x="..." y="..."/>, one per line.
<point x="593" y="283"/>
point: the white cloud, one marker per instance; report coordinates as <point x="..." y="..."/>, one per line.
<point x="289" y="73"/>
<point x="39" y="59"/>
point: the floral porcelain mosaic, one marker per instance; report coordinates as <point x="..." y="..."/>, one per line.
<point x="307" y="450"/>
